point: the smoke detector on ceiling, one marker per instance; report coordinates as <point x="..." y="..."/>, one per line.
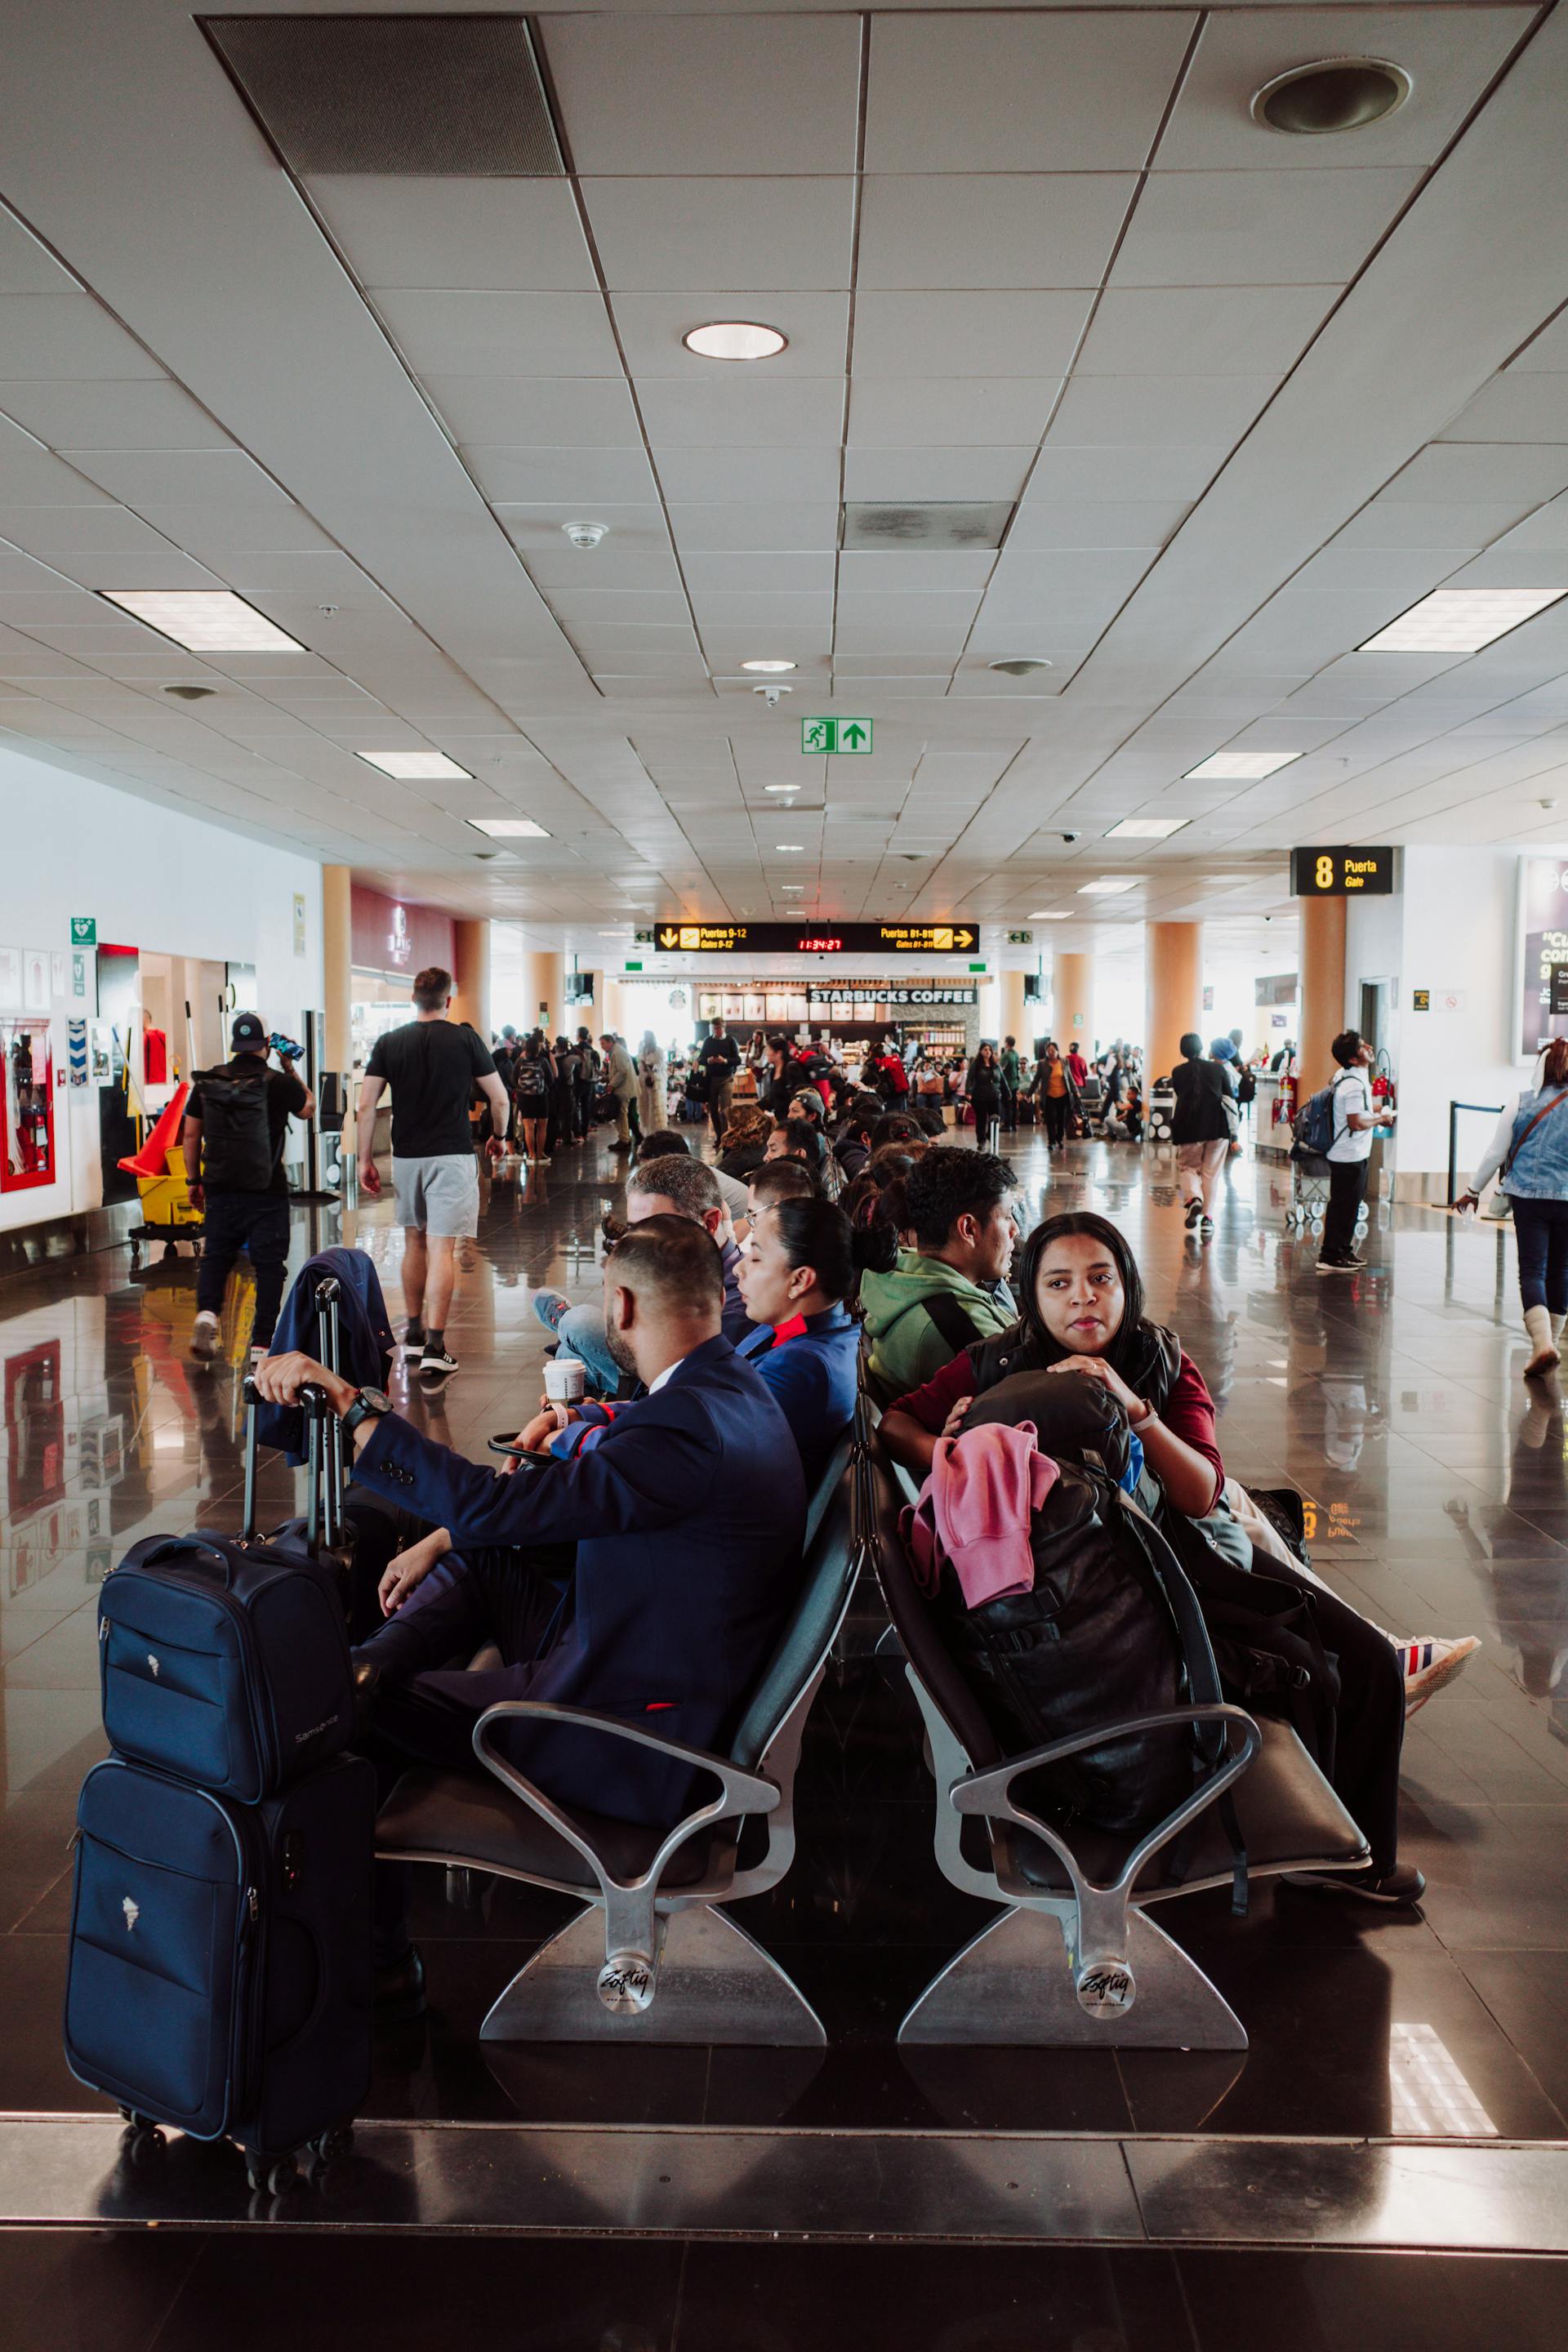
<point x="585" y="534"/>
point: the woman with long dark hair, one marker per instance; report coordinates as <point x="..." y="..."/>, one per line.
<point x="1083" y="1312"/>
<point x="984" y="1087"/>
<point x="532" y="1084"/>
<point x="1055" y="1094"/>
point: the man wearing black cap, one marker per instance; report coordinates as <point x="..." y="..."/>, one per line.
<point x="235" y="1121"/>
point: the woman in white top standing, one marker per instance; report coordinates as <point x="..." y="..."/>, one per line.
<point x="1529" y="1145"/>
<point x="650" y="1083"/>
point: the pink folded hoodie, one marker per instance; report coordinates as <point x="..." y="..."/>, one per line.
<point x="974" y="1511"/>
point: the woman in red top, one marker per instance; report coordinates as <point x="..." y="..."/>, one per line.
<point x="1082" y="1300"/>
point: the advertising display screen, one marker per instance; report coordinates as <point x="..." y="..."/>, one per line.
<point x="1543" y="920"/>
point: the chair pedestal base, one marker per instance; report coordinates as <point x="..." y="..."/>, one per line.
<point x="1013" y="1984"/>
<point x="713" y="1985"/>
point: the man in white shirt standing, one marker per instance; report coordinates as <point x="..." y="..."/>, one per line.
<point x="1355" y="1120"/>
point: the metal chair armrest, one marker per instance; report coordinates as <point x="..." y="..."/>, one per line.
<point x="738" y="1792"/>
<point x="991" y="1793"/>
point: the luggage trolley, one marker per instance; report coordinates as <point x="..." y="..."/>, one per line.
<point x="1309" y="1203"/>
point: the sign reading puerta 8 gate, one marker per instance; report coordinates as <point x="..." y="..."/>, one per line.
<point x="1544" y="921"/>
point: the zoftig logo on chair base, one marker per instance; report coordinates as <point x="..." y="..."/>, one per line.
<point x="1105" y="1988"/>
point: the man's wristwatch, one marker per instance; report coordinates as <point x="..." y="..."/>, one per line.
<point x="370" y="1404"/>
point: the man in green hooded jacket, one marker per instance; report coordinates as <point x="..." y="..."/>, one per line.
<point x="932" y="1299"/>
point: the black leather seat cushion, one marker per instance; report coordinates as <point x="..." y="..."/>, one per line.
<point x="481" y="1822"/>
<point x="1290" y="1820"/>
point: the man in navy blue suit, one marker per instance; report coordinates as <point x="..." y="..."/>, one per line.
<point x="688" y="1513"/>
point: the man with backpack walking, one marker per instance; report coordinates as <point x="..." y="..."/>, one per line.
<point x="232" y="1140"/>
<point x="1338" y="1121"/>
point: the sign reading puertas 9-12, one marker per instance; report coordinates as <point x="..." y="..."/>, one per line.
<point x="1341" y="872"/>
<point x="1545" y="925"/>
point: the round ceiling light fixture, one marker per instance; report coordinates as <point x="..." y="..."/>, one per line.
<point x="768" y="669"/>
<point x="1024" y="666"/>
<point x="735" y="339"/>
<point x="191" y="693"/>
<point x="1332" y="94"/>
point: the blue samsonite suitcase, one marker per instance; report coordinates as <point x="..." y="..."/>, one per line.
<point x="220" y="1978"/>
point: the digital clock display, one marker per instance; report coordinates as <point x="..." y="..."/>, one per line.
<point x="827" y="945"/>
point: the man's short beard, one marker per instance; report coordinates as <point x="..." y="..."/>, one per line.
<point x="620" y="1351"/>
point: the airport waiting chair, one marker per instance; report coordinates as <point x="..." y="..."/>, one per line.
<point x="652" y="1958"/>
<point x="1075" y="1960"/>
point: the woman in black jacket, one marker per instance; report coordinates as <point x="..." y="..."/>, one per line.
<point x="1200" y="1129"/>
<point x="984" y="1087"/>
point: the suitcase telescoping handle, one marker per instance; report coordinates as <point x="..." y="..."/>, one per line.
<point x="323" y="1452"/>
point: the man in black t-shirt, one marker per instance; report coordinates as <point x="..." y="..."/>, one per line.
<point x="245" y="1197"/>
<point x="719" y="1058"/>
<point x="432" y="1066"/>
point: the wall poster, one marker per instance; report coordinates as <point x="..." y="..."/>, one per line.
<point x="1542" y="942"/>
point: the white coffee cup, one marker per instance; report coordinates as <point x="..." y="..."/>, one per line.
<point x="566" y="1378"/>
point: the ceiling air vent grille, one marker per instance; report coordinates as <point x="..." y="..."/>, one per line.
<point x="456" y="96"/>
<point x="922" y="530"/>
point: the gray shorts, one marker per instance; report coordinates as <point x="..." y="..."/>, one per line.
<point x="439" y="1194"/>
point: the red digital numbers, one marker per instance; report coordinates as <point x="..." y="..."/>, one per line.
<point x="819" y="946"/>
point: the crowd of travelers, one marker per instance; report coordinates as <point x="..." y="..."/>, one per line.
<point x="637" y="1553"/>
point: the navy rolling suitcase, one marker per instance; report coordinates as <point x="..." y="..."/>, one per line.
<point x="220" y="1978"/>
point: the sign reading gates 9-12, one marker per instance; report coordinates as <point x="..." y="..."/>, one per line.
<point x="1544" y="918"/>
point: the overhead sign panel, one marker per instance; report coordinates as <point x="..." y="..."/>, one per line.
<point x="822" y="938"/>
<point x="1341" y="872"/>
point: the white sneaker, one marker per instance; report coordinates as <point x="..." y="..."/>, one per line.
<point x="1427" y="1664"/>
<point x="206" y="1337"/>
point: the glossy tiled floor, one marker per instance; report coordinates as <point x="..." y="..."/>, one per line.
<point x="1439" y="1499"/>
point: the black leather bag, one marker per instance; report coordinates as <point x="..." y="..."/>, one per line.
<point x="1096" y="1642"/>
<point x="1266" y="1638"/>
<point x="1075" y="1417"/>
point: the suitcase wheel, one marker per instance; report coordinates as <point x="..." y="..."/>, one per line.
<point x="276" y="2174"/>
<point x="142" y="2137"/>
<point x="328" y="2146"/>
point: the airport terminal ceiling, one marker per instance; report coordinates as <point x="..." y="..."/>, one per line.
<point x="1082" y="365"/>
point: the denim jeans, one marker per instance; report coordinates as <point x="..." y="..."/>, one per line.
<point x="581" y="1332"/>
<point x="1541" y="1227"/>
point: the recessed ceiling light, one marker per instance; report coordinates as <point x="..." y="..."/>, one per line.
<point x="1110" y="885"/>
<point x="509" y="828"/>
<point x="1331" y="94"/>
<point x="205" y="620"/>
<point x="1239" y="767"/>
<point x="769" y="668"/>
<point x="1047" y="915"/>
<point x="1146" y="828"/>
<point x="735" y="339"/>
<point x="1460" y="620"/>
<point x="1022" y="665"/>
<point x="415" y="767"/>
<point x="790" y="848"/>
<point x="781" y="788"/>
<point x="792" y="889"/>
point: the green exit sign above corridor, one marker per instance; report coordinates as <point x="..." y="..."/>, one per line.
<point x="841" y="735"/>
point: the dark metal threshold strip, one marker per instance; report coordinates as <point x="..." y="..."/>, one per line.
<point x="708" y="2181"/>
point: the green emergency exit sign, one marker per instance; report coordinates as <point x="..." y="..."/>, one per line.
<point x="840" y="735"/>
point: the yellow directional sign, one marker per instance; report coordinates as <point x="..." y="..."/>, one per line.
<point x="822" y="937"/>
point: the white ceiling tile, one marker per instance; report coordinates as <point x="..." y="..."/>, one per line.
<point x="1258" y="227"/>
<point x="735" y="475"/>
<point x="1026" y="92"/>
<point x="26" y="267"/>
<point x="965" y="572"/>
<point x="1407" y="522"/>
<point x="510" y="477"/>
<point x="1471" y="473"/>
<point x="631" y="527"/>
<point x="145" y="478"/>
<point x="954" y="411"/>
<point x="798" y="524"/>
<point x="1203" y="331"/>
<point x="155" y="567"/>
<point x="453" y="332"/>
<point x="1031" y="230"/>
<point x="1125" y="475"/>
<point x="613" y="562"/>
<point x="521" y="236"/>
<point x="655" y="235"/>
<point x="144" y="414"/>
<point x="936" y="474"/>
<point x="1451" y="54"/>
<point x="1201" y="412"/>
<point x="780" y="412"/>
<point x="1089" y="573"/>
<point x="44" y="529"/>
<point x="536" y="413"/>
<point x="587" y="612"/>
<point x="986" y="334"/>
<point x="651" y="325"/>
<point x="763" y="609"/>
<point x="707" y="93"/>
<point x="709" y="573"/>
<point x="1547" y="528"/>
<point x="1044" y="522"/>
<point x="48" y="335"/>
<point x="1515" y="406"/>
<point x="211" y="531"/>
